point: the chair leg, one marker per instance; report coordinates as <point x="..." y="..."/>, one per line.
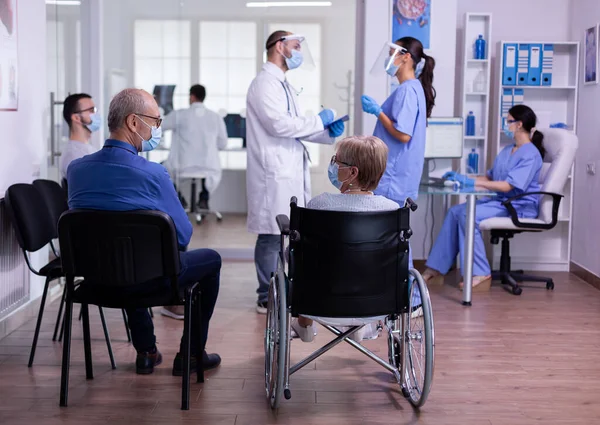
<point x="59" y="318"/>
<point x="62" y="329"/>
<point x="199" y="344"/>
<point x="64" y="376"/>
<point x="87" y="345"/>
<point x="126" y="322"/>
<point x="39" y="323"/>
<point x="107" y="338"/>
<point x="187" y="327"/>
<point x="530" y="278"/>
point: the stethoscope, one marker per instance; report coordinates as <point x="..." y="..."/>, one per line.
<point x="289" y="111"/>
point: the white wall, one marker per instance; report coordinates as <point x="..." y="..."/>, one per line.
<point x="586" y="203"/>
<point x="24" y="132"/>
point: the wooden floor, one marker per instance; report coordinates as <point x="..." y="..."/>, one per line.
<point x="533" y="359"/>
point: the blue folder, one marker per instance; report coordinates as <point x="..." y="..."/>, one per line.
<point x="534" y="77"/>
<point x="509" y="65"/>
<point x="523" y="65"/>
<point x="547" y="62"/>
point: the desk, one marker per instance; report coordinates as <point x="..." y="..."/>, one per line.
<point x="471" y="193"/>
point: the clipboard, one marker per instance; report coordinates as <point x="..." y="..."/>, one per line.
<point x="342" y="119"/>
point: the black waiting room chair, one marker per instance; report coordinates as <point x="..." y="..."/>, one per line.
<point x="35" y="228"/>
<point x="113" y="251"/>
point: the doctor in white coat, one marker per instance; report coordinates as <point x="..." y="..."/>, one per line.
<point x="198" y="135"/>
<point x="278" y="163"/>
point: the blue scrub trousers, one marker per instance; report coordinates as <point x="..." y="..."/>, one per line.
<point x="451" y="240"/>
<point x="265" y="259"/>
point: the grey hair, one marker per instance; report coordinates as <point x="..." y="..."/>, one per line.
<point x="126" y="102"/>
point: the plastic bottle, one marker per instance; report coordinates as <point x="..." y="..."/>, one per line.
<point x="470" y="124"/>
<point x="479" y="83"/>
<point x="480" y="48"/>
<point x="473" y="162"/>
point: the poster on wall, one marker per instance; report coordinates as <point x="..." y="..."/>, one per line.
<point x="590" y="68"/>
<point x="412" y="18"/>
<point x="9" y="84"/>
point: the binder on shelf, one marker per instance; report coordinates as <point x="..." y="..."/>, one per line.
<point x="535" y="65"/>
<point x="518" y="97"/>
<point x="547" y="62"/>
<point x="507" y="103"/>
<point x="509" y="65"/>
<point x="523" y="65"/>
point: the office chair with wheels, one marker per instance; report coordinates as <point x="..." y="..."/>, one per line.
<point x="561" y="146"/>
<point x="114" y="251"/>
<point x="34" y="227"/>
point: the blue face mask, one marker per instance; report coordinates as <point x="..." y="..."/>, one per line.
<point x="332" y="173"/>
<point x="95" y="124"/>
<point x="507" y="132"/>
<point x="295" y="60"/>
<point x="155" y="136"/>
<point x="391" y="69"/>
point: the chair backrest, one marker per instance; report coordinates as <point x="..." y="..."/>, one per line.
<point x="348" y="264"/>
<point x="118" y="248"/>
<point x="65" y="187"/>
<point x="29" y="216"/>
<point x="55" y="199"/>
<point x="561" y="146"/>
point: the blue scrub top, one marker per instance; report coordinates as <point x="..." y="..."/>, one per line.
<point x="521" y="170"/>
<point x="407" y="109"/>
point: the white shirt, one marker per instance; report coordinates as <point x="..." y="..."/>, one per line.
<point x="74" y="150"/>
<point x="198" y="135"/>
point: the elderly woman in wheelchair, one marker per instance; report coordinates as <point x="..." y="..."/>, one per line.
<point x="348" y="267"/>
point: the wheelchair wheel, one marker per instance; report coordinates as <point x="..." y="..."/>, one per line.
<point x="275" y="342"/>
<point x="419" y="341"/>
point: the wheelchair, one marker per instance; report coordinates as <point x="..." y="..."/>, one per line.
<point x="350" y="265"/>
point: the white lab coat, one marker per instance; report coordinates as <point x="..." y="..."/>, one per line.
<point x="198" y="135"/>
<point x="278" y="165"/>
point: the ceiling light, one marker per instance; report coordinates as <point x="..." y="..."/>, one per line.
<point x="63" y="2"/>
<point x="288" y="4"/>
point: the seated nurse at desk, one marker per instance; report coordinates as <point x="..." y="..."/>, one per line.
<point x="516" y="170"/>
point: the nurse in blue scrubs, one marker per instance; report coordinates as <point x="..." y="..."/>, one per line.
<point x="516" y="170"/>
<point x="402" y="119"/>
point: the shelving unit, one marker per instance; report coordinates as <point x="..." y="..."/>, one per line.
<point x="476" y="99"/>
<point x="549" y="250"/>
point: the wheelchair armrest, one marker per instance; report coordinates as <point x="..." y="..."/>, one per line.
<point x="284" y="224"/>
<point x="515" y="218"/>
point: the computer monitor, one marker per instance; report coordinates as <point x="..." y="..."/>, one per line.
<point x="444" y="140"/>
<point x="236" y="127"/>
<point x="164" y="97"/>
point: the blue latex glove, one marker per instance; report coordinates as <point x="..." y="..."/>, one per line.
<point x="370" y="105"/>
<point x="326" y="116"/>
<point x="460" y="178"/>
<point x="449" y="175"/>
<point x="336" y="129"/>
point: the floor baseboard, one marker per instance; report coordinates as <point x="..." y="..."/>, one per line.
<point x="585" y="275"/>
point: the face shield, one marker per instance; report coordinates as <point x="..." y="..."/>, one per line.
<point x="296" y="52"/>
<point x="384" y="64"/>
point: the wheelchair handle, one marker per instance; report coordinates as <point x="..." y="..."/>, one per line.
<point x="411" y="204"/>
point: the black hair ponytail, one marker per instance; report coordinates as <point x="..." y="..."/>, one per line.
<point x="415" y="48"/>
<point x="528" y="118"/>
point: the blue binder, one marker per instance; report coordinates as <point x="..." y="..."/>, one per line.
<point x="547" y="62"/>
<point x="506" y="104"/>
<point x="534" y="77"/>
<point x="523" y="65"/>
<point x="509" y="65"/>
<point x="518" y="97"/>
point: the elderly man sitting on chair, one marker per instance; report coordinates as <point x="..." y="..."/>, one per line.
<point x="117" y="179"/>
